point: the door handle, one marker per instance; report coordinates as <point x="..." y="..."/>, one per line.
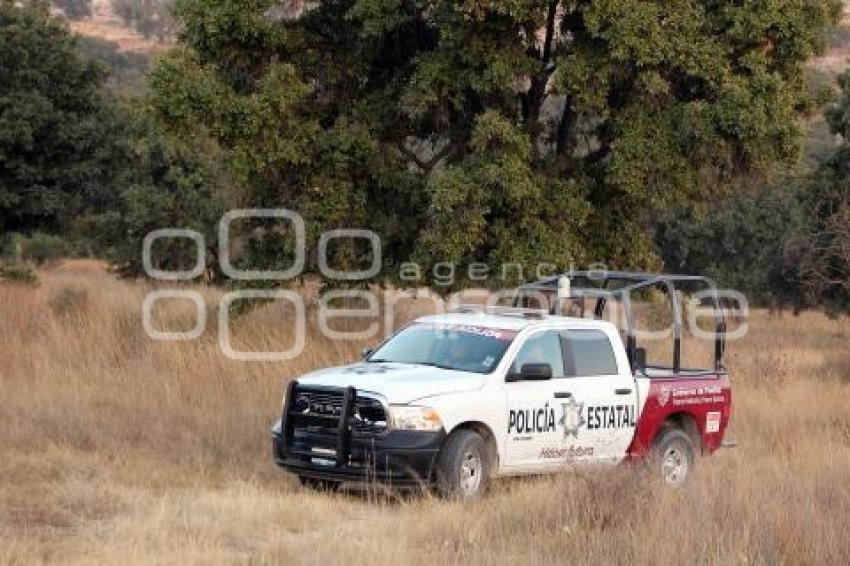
<point x="563" y="395"/>
<point x="624" y="391"/>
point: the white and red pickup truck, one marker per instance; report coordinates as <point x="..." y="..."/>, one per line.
<point x="454" y="400"/>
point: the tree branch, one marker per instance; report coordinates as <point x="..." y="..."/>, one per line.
<point x="533" y="99"/>
<point x="550" y="31"/>
<point x="596" y="156"/>
<point x="439" y="156"/>
<point x="564" y="141"/>
<point x="411" y="156"/>
<point x="427" y="166"/>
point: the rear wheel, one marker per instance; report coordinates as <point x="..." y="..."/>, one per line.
<point x="463" y="466"/>
<point x="673" y="456"/>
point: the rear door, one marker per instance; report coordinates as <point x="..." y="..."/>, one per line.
<point x="602" y="403"/>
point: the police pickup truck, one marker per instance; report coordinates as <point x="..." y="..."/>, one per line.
<point x="454" y="400"/>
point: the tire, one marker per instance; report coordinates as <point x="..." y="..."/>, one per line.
<point x="315" y="484"/>
<point x="673" y="456"/>
<point x="463" y="466"/>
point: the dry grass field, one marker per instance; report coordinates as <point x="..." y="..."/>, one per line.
<point x="115" y="449"/>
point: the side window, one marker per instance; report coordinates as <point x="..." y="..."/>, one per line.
<point x="541" y="348"/>
<point x="587" y="353"/>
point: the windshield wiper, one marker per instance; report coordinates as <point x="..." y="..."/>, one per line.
<point x="429" y="364"/>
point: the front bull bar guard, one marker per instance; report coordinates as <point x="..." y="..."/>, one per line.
<point x="343" y="445"/>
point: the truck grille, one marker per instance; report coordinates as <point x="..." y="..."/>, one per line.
<point x="319" y="422"/>
<point x="321" y="408"/>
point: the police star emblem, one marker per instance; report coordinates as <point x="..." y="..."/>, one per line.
<point x="573" y="418"/>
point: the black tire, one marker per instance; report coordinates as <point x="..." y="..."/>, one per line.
<point x="315" y="484"/>
<point x="463" y="466"/>
<point x="673" y="456"/>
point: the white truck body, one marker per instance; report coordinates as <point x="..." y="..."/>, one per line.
<point x="553" y="413"/>
<point x="452" y="400"/>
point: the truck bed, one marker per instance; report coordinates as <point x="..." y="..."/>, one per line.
<point x="699" y="401"/>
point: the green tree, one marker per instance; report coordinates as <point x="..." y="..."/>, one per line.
<point x="167" y="183"/>
<point x="823" y="261"/>
<point x="822" y="256"/>
<point x="750" y="241"/>
<point x="493" y="131"/>
<point x="58" y="131"/>
<point x="787" y="243"/>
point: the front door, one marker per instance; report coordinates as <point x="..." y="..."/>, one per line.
<point x="542" y="423"/>
<point x="586" y="413"/>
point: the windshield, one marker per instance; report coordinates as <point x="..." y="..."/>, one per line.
<point x="449" y="346"/>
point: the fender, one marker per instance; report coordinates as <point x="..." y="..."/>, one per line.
<point x="489" y="437"/>
<point x="705" y="399"/>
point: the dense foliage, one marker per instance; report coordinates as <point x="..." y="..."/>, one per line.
<point x="784" y="244"/>
<point x="824" y="249"/>
<point x="166" y="184"/>
<point x="76" y="161"/>
<point x="525" y="131"/>
<point x="745" y="242"/>
<point x="58" y="130"/>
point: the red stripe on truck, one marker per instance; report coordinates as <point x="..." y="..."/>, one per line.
<point x="706" y="401"/>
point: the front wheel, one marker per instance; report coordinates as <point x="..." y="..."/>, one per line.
<point x="673" y="456"/>
<point x="463" y="466"/>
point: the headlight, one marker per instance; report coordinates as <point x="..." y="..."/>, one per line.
<point x="405" y="417"/>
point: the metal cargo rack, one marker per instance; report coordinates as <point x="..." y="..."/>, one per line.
<point x="500" y="310"/>
<point x="620" y="285"/>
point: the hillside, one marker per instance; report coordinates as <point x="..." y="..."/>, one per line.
<point x="835" y="60"/>
<point x="106" y="25"/>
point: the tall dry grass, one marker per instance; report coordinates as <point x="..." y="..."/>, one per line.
<point x="117" y="449"/>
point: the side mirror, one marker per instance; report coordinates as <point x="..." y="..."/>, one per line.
<point x="640" y="359"/>
<point x="532" y="372"/>
<point x="365" y="353"/>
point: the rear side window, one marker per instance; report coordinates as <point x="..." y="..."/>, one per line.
<point x="587" y="353"/>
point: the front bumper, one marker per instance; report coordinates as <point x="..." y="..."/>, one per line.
<point x="402" y="458"/>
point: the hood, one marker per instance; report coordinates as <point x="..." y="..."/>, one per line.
<point x="398" y="383"/>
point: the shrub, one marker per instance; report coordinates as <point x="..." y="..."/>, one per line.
<point x="41" y="248"/>
<point x="68" y="301"/>
<point x="744" y="242"/>
<point x="18" y="273"/>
